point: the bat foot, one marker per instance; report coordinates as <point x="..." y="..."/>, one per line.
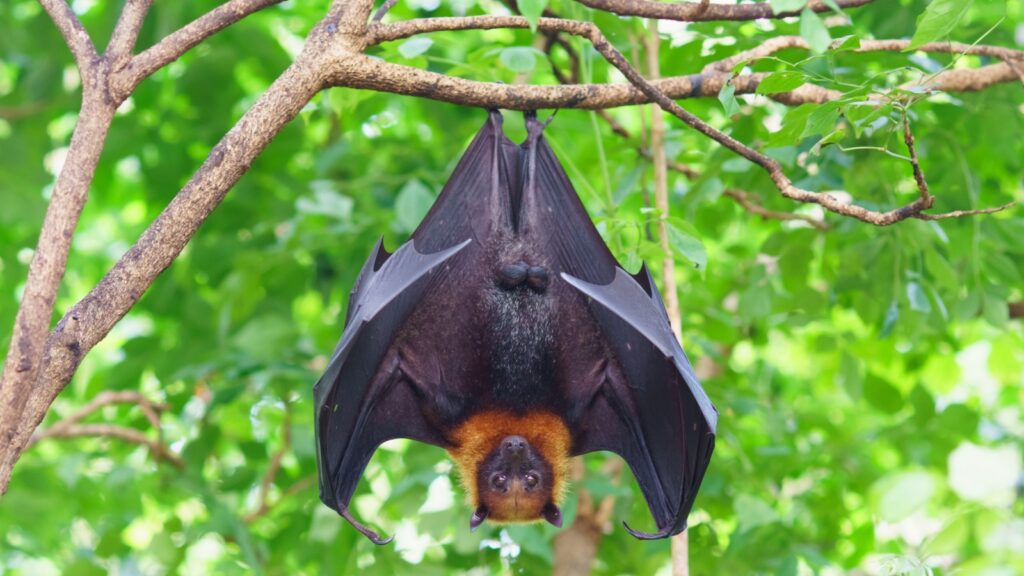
<point x="512" y="276"/>
<point x="373" y="536"/>
<point x="664" y="533"/>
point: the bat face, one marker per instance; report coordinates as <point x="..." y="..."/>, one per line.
<point x="515" y="484"/>
<point x="513" y="466"/>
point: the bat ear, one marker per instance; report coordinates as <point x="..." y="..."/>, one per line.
<point x="478" y="517"/>
<point x="552" y="514"/>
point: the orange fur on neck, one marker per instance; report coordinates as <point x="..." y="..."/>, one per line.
<point x="480" y="434"/>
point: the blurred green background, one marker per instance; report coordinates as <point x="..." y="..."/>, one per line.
<point x="869" y="380"/>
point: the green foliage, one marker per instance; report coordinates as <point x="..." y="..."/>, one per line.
<point x="869" y="380"/>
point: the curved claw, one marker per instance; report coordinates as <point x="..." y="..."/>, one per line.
<point x="373" y="536"/>
<point x="663" y="533"/>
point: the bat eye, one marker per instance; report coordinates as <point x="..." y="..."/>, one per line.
<point x="499" y="481"/>
<point x="532" y="480"/>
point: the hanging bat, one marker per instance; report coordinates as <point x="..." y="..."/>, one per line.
<point x="505" y="332"/>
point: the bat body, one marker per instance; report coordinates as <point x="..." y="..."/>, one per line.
<point x="505" y="332"/>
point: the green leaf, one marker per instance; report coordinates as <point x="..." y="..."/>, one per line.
<point x="938" y="20"/>
<point x="753" y="512"/>
<point x="940" y="269"/>
<point x="882" y="395"/>
<point x="414" y="47"/>
<point x="903" y="494"/>
<point x="755" y="302"/>
<point x="1002" y="269"/>
<point x="850" y="375"/>
<point x="813" y="29"/>
<point x="781" y="82"/>
<point x="531" y="10"/>
<point x="822" y="120"/>
<point x="520" y="59"/>
<point x="995" y="310"/>
<point x="687" y="245"/>
<point x="412" y="204"/>
<point x="727" y="96"/>
<point x="792" y="126"/>
<point x="918" y="299"/>
<point x="847" y="43"/>
<point x="786" y="5"/>
<point x="950" y="539"/>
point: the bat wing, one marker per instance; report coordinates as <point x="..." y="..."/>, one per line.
<point x="632" y="390"/>
<point x="405" y="349"/>
<point x="646" y="405"/>
<point x="358" y="404"/>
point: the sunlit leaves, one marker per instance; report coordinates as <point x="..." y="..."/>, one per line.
<point x="519" y="59"/>
<point x="412" y="204"/>
<point x="813" y="29"/>
<point x="938" y="20"/>
<point x="781" y="82"/>
<point x="414" y="47"/>
<point x="532" y="10"/>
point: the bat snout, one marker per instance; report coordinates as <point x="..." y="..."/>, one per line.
<point x="514" y="447"/>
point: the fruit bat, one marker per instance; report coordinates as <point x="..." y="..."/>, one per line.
<point x="505" y="332"/>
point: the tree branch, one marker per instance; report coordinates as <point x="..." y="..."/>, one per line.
<point x="705" y="11"/>
<point x="89" y="321"/>
<point x="383" y="10"/>
<point x="159" y="450"/>
<point x="771" y="166"/>
<point x="177" y="43"/>
<point x="275" y="466"/>
<point x="122" y="41"/>
<point x="70" y="426"/>
<point x="75" y="35"/>
<point x="388" y="77"/>
<point x="779" y="43"/>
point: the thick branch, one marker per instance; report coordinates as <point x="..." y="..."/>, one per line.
<point x="25" y="355"/>
<point x="91" y="319"/>
<point x="384" y="76"/>
<point x="704" y="11"/>
<point x="75" y="35"/>
<point x="593" y="34"/>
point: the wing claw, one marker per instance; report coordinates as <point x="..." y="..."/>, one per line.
<point x="663" y="533"/>
<point x="373" y="536"/>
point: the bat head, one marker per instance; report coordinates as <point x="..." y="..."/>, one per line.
<point x="515" y="483"/>
<point x="513" y="466"/>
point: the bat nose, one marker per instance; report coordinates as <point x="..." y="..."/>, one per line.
<point x="513" y="445"/>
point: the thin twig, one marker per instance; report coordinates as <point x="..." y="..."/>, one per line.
<point x="922" y="185"/>
<point x="705" y="11"/>
<point x="384" y="8"/>
<point x="962" y="213"/>
<point x="159" y="450"/>
<point x="273" y="468"/>
<point x="71" y="426"/>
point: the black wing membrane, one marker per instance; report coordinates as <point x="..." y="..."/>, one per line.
<point x="477" y="198"/>
<point x="642" y="398"/>
<point x="651" y="410"/>
<point x="361" y="399"/>
<point x="358" y="406"/>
